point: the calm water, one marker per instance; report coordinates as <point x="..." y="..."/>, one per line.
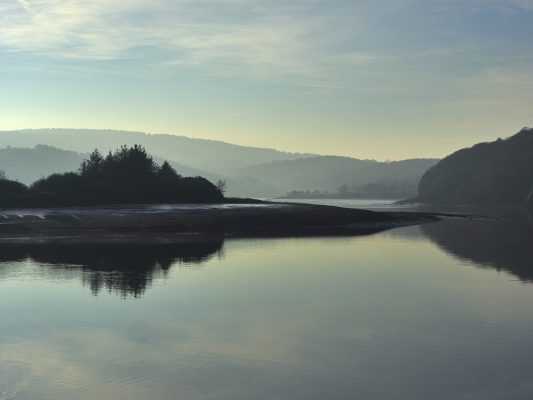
<point x="441" y="311"/>
<point x="351" y="203"/>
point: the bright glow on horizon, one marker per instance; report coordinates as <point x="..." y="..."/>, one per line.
<point x="384" y="80"/>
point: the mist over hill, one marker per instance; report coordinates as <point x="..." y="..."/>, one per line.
<point x="29" y="164"/>
<point x="26" y="165"/>
<point x="201" y="154"/>
<point x="494" y="173"/>
<point x="328" y="173"/>
<point x="249" y="171"/>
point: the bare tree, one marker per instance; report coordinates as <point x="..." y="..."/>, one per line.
<point x="3" y="175"/>
<point x="221" y="186"/>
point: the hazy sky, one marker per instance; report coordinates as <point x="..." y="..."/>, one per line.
<point x="372" y="79"/>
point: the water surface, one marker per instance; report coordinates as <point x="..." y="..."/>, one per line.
<point x="441" y="311"/>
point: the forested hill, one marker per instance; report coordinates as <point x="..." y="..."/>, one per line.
<point x="248" y="171"/>
<point x="206" y="155"/>
<point x="329" y="173"/>
<point x="495" y="173"/>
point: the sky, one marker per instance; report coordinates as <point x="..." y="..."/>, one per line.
<point x="370" y="79"/>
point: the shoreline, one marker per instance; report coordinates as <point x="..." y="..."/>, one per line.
<point x="174" y="222"/>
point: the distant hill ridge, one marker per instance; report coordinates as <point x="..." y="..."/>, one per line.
<point x="493" y="173"/>
<point x="249" y="171"/>
<point x="29" y="164"/>
<point x="202" y="154"/>
<point x="327" y="173"/>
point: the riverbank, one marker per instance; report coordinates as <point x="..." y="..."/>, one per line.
<point x="229" y="220"/>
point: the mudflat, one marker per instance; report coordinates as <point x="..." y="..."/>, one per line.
<point x="152" y="222"/>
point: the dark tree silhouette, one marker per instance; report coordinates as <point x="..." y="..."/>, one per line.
<point x="128" y="175"/>
<point x="221" y="185"/>
<point x="167" y="173"/>
<point x="61" y="184"/>
<point x="495" y="173"/>
<point x="93" y="166"/>
<point x="12" y="187"/>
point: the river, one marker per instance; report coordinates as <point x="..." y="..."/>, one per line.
<point x="438" y="311"/>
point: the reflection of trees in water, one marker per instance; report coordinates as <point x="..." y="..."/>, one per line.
<point x="125" y="268"/>
<point x="503" y="244"/>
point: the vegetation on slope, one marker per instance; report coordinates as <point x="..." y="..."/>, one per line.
<point x="128" y="175"/>
<point x="495" y="173"/>
<point x="344" y="174"/>
<point x="249" y="171"/>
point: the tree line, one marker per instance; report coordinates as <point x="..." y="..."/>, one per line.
<point x="387" y="189"/>
<point x="127" y="175"/>
<point x="493" y="173"/>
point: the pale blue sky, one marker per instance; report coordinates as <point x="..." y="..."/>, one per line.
<point x="371" y="79"/>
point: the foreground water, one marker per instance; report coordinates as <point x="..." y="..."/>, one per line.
<point x="440" y="311"/>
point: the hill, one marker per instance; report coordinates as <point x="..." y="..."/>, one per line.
<point x="494" y="173"/>
<point x="248" y="171"/>
<point x="29" y="164"/>
<point x="207" y="155"/>
<point x="328" y="173"/>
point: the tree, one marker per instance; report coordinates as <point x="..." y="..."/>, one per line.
<point x="8" y="187"/>
<point x="3" y="175"/>
<point x="167" y="172"/>
<point x="127" y="175"/>
<point x="93" y="166"/>
<point x="221" y="186"/>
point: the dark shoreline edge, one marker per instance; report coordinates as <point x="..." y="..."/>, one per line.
<point x="231" y="220"/>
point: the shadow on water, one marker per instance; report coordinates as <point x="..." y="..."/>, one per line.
<point x="127" y="262"/>
<point x="125" y="268"/>
<point x="504" y="243"/>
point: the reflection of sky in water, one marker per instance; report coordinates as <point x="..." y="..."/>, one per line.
<point x="388" y="316"/>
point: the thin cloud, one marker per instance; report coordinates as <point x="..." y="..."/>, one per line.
<point x="327" y="44"/>
<point x="227" y="37"/>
